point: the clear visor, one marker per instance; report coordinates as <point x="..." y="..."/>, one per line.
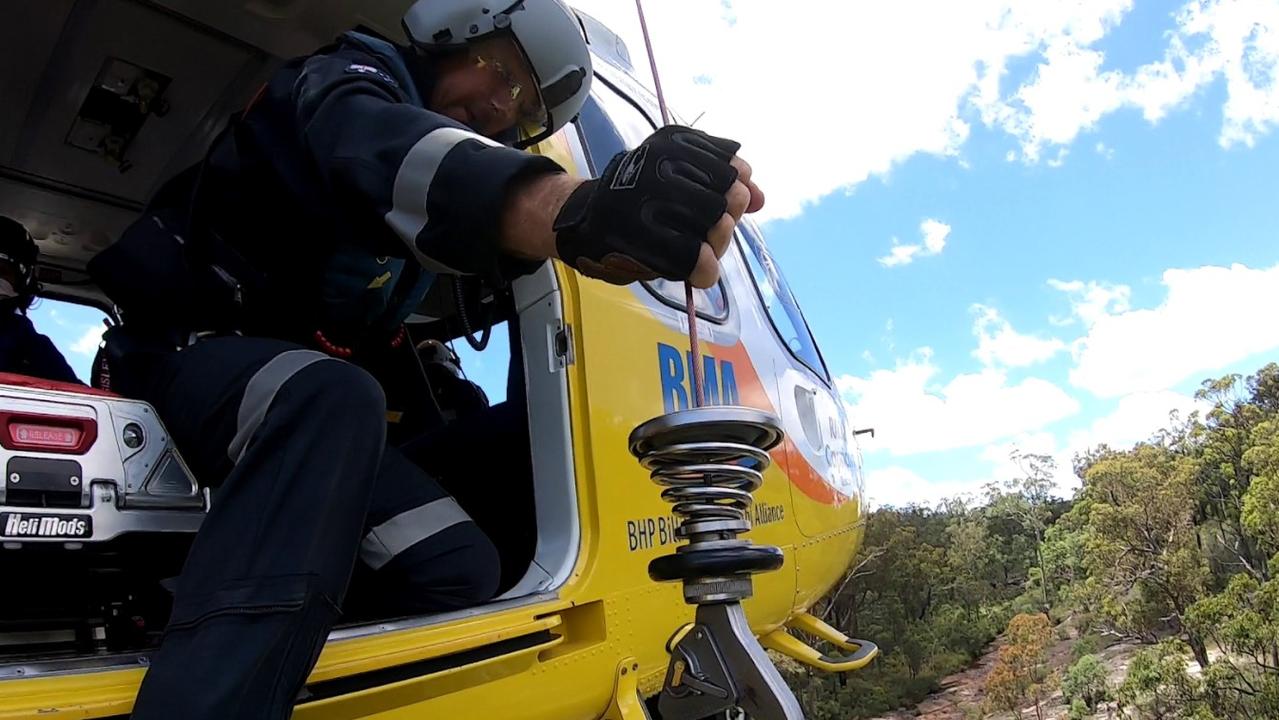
<point x="532" y="120"/>
<point x="532" y="133"/>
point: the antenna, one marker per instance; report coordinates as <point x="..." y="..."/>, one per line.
<point x="694" y="343"/>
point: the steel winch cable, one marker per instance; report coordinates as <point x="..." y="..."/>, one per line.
<point x="694" y="343"/>
<point x="709" y="461"/>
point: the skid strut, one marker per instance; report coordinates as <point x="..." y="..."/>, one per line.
<point x="709" y="460"/>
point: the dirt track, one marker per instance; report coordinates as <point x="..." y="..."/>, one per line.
<point x="959" y="691"/>
<point x="962" y="693"/>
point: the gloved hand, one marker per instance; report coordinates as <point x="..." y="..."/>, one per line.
<point x="649" y="213"/>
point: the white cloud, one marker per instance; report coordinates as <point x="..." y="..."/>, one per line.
<point x="1091" y="301"/>
<point x="882" y="85"/>
<point x="1208" y="320"/>
<point x="1135" y="418"/>
<point x="87" y="344"/>
<point x="935" y="234"/>
<point x="1241" y="43"/>
<point x="900" y="254"/>
<point x="912" y="412"/>
<point x="1066" y="96"/>
<point x="871" y="77"/>
<point x="1105" y="150"/>
<point x="1000" y="454"/>
<point x="1004" y="467"/>
<point x="999" y="344"/>
<point x="899" y="486"/>
<point x="888" y="86"/>
<point x="1235" y="40"/>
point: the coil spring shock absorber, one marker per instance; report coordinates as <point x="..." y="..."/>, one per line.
<point x="709" y="460"/>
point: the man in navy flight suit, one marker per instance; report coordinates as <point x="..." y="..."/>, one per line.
<point x="357" y="176"/>
<point x="23" y="349"/>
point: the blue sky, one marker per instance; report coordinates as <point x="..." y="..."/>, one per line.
<point x="1164" y="197"/>
<point x="1086" y="195"/>
<point x="75" y="330"/>
<point x="1091" y="190"/>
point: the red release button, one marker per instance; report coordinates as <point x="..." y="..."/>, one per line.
<point x="44" y="436"/>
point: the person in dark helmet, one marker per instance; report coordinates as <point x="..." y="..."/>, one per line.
<point x="314" y="226"/>
<point x="23" y="350"/>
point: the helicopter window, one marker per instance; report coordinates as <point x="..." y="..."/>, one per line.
<point x="487" y="368"/>
<point x="712" y="303"/>
<point x="780" y="302"/>
<point x="609" y="124"/>
<point x="73" y="328"/>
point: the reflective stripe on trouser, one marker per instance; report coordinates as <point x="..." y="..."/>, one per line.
<point x="402" y="532"/>
<point x="261" y="391"/>
<point x="270" y="566"/>
<point x="420" y="550"/>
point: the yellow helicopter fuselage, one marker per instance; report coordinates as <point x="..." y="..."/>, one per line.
<point x="589" y="627"/>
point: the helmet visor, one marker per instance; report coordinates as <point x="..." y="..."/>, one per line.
<point x="519" y="85"/>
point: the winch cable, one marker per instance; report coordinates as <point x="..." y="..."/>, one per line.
<point x="694" y="343"/>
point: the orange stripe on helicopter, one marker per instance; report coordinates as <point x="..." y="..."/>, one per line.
<point x="751" y="393"/>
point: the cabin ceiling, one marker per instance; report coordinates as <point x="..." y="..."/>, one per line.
<point x="102" y="100"/>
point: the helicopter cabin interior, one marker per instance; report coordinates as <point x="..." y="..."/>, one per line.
<point x="105" y="100"/>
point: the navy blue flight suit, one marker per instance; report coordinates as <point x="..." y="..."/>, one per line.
<point x="25" y="351"/>
<point x="344" y="197"/>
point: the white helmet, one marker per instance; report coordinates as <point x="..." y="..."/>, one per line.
<point x="546" y="32"/>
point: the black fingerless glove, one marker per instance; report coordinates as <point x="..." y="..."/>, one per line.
<point x="649" y="212"/>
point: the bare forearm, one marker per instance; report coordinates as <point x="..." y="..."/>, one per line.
<point x="529" y="216"/>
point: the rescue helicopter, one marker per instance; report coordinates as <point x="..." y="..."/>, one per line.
<point x="103" y="100"/>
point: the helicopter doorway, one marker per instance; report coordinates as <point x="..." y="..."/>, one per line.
<point x="509" y="464"/>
